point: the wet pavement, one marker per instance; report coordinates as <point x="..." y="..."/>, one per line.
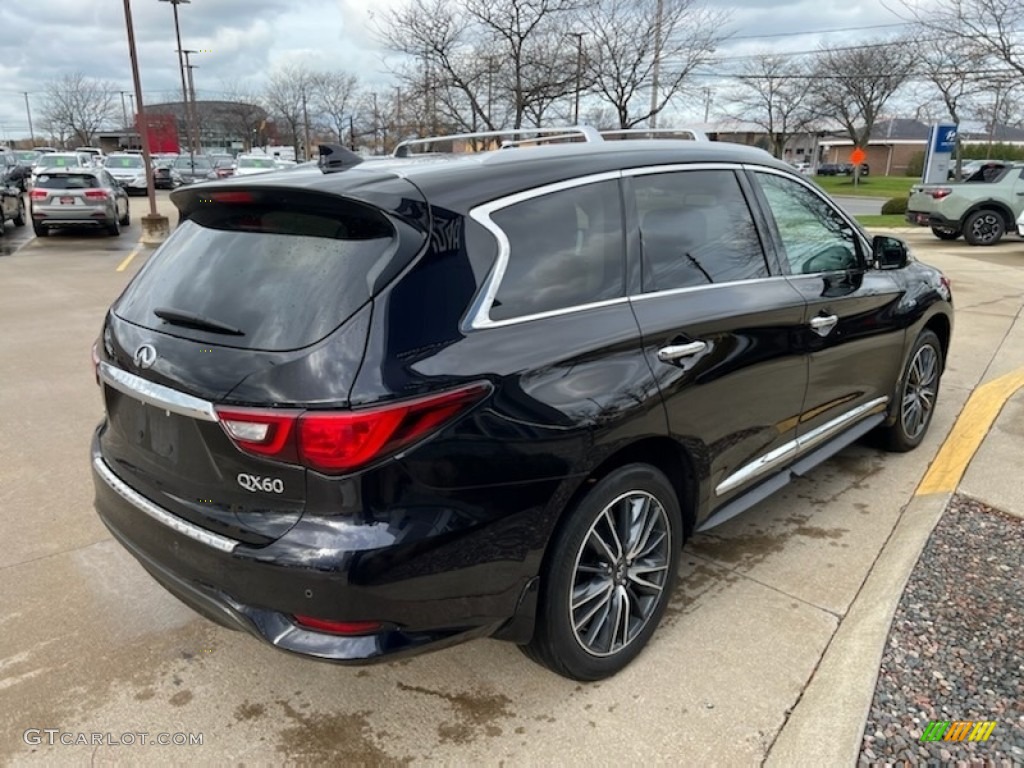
<point x="90" y="644"/>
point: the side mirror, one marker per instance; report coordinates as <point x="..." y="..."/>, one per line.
<point x="889" y="252"/>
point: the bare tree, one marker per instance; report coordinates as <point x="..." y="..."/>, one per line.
<point x="242" y="112"/>
<point x="853" y="84"/>
<point x="771" y="92"/>
<point x="991" y="27"/>
<point x="78" y="107"/>
<point x="288" y="95"/>
<point x="639" y="45"/>
<point x="336" y="96"/>
<point x="482" y="63"/>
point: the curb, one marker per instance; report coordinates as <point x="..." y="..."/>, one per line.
<point x="827" y="722"/>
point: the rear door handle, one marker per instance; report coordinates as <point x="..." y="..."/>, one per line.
<point x="675" y="352"/>
<point x="823" y="324"/>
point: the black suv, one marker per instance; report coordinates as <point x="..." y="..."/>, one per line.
<point x="383" y="410"/>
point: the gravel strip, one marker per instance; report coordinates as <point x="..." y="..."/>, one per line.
<point x="956" y="646"/>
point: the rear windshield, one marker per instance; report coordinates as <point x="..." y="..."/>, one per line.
<point x="255" y="162"/>
<point x="61" y="161"/>
<point x="68" y="181"/>
<point x="285" y="276"/>
<point x="185" y="162"/>
<point x="132" y="161"/>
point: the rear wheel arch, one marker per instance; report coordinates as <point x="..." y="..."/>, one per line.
<point x="662" y="453"/>
<point x="1009" y="220"/>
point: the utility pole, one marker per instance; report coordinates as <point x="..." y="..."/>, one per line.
<point x="28" y="111"/>
<point x="579" y="75"/>
<point x="707" y="104"/>
<point x="376" y="118"/>
<point x="190" y="103"/>
<point x="154" y="226"/>
<point x="305" y="124"/>
<point x="655" y="69"/>
<point x="124" y="111"/>
<point x="181" y="69"/>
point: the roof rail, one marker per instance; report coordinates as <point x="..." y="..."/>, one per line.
<point x="621" y="134"/>
<point x="534" y="136"/>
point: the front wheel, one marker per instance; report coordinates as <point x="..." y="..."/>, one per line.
<point x="610" y="574"/>
<point x="917" y="395"/>
<point x="984" y="228"/>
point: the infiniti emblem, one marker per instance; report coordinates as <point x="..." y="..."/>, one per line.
<point x="145" y="356"/>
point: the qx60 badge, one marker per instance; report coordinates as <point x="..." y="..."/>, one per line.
<point x="145" y="356"/>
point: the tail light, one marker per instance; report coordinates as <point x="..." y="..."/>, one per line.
<point x="96" y="194"/>
<point x="37" y="194"/>
<point x="336" y="442"/>
<point x="940" y="192"/>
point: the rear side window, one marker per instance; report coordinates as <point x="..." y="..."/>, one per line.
<point x="696" y="230"/>
<point x="68" y="181"/>
<point x="565" y="250"/>
<point x="284" y="274"/>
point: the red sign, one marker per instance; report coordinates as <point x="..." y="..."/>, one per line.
<point x="162" y="131"/>
<point x="857" y="156"/>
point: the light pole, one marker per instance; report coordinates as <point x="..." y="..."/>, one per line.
<point x="181" y="68"/>
<point x="154" y="226"/>
<point x="124" y="111"/>
<point x="579" y="75"/>
<point x="28" y="111"/>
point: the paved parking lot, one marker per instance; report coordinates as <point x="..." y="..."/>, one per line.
<point x="90" y="644"/>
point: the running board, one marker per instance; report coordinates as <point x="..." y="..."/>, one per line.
<point x="799" y="468"/>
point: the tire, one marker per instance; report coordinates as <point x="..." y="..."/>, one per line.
<point x="919" y="384"/>
<point x="984" y="227"/>
<point x="40" y="230"/>
<point x="587" y="647"/>
<point x="114" y="227"/>
<point x="946" y="234"/>
<point x="19" y="219"/>
<point x="126" y="220"/>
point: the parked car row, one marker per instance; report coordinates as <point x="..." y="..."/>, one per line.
<point x="842" y="169"/>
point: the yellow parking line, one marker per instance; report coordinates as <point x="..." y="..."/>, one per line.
<point x="965" y="438"/>
<point x="128" y="259"/>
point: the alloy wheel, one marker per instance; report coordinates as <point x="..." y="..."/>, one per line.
<point x="986" y="228"/>
<point x="620" y="573"/>
<point x="920" y="391"/>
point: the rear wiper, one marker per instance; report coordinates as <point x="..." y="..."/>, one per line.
<point x="192" y="320"/>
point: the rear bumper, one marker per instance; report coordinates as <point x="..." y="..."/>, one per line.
<point x="931" y="219"/>
<point x="371" y="575"/>
<point x="99" y="216"/>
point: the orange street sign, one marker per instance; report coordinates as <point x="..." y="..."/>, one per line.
<point x="857" y="156"/>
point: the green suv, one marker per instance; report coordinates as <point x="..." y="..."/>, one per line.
<point x="982" y="207"/>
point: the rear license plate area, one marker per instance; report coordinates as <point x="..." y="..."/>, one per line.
<point x="67" y="201"/>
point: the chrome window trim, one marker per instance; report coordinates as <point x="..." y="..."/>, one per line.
<point x="161" y="515"/>
<point x="480" y="312"/>
<point x="865" y="246"/>
<point x="802" y="444"/>
<point x="157" y="395"/>
<point x="709" y="286"/>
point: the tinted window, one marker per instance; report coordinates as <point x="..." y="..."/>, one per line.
<point x="68" y="181"/>
<point x="815" y="237"/>
<point x="286" y="275"/>
<point x="696" y="229"/>
<point x="566" y="249"/>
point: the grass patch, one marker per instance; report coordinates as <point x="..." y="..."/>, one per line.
<point x="877" y="221"/>
<point x="869" y="186"/>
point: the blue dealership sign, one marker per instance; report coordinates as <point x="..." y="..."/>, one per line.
<point x="945" y="138"/>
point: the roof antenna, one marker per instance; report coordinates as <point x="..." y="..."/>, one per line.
<point x="334" y="158"/>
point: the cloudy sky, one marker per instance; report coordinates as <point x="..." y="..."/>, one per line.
<point x="242" y="40"/>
